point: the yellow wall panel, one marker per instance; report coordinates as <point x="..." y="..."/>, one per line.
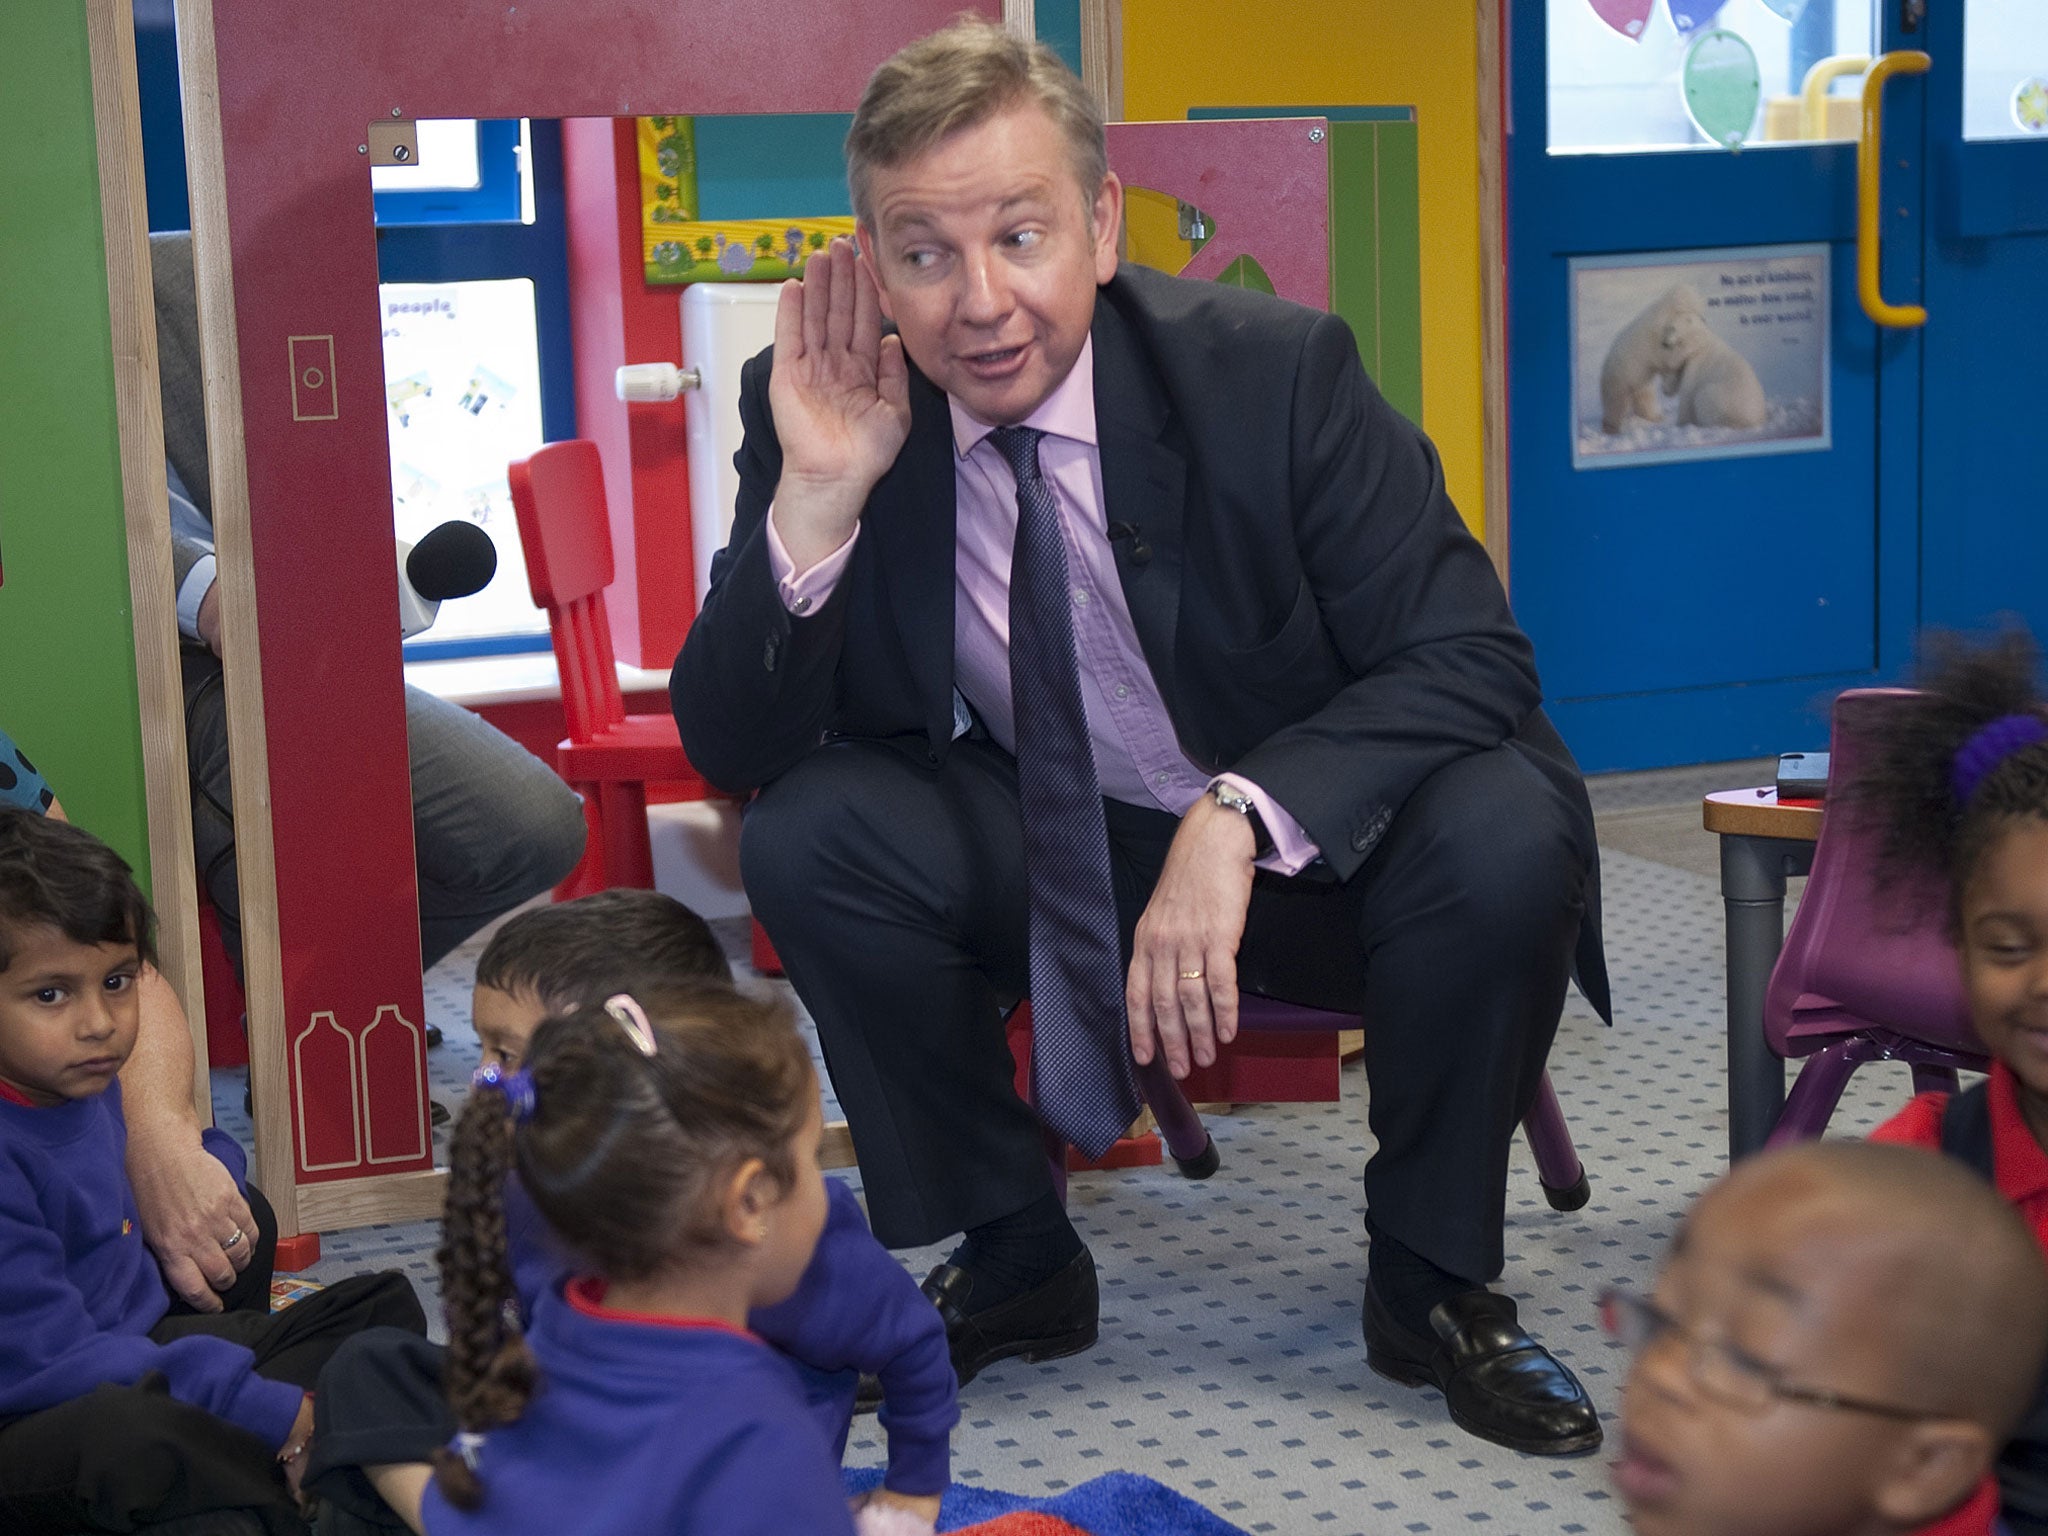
<point x="1225" y="53"/>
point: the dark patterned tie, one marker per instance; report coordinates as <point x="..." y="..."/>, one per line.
<point x="1080" y="1052"/>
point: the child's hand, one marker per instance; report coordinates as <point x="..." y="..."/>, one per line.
<point x="887" y="1513"/>
<point x="292" y="1454"/>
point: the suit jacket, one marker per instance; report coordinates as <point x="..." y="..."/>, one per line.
<point x="1315" y="612"/>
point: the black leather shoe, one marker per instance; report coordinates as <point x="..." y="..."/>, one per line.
<point x="1499" y="1383"/>
<point x="1052" y="1320"/>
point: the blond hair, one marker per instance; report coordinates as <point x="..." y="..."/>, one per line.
<point x="959" y="77"/>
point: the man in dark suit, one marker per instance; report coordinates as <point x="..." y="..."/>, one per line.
<point x="1094" y="610"/>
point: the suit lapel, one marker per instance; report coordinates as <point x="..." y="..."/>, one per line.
<point x="911" y="519"/>
<point x="1143" y="485"/>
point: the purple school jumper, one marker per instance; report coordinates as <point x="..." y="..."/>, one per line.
<point x="856" y="1309"/>
<point x="79" y="1291"/>
<point x="646" y="1424"/>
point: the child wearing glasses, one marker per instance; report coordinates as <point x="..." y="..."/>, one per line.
<point x="121" y="1408"/>
<point x="674" y="1148"/>
<point x="856" y="1309"/>
<point x="1840" y="1339"/>
<point x="1960" y="784"/>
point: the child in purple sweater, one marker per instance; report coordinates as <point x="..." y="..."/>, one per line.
<point x="855" y="1310"/>
<point x="121" y="1409"/>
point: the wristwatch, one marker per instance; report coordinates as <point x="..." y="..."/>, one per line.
<point x="1237" y="800"/>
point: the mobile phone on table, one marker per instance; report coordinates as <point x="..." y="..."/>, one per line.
<point x="1802" y="776"/>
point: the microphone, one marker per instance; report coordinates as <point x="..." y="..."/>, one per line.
<point x="456" y="559"/>
<point x="1140" y="550"/>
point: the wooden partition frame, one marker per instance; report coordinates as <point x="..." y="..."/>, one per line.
<point x="279" y="103"/>
<point x="1493" y="275"/>
<point x="131" y="308"/>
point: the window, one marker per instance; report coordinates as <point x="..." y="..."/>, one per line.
<point x="474" y="287"/>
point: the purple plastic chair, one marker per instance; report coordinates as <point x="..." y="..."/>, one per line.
<point x="1865" y="975"/>
<point x="1563" y="1176"/>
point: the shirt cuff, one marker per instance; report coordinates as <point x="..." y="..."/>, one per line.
<point x="1293" y="849"/>
<point x="198" y="581"/>
<point x="805" y="592"/>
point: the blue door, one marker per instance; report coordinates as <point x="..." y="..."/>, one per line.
<point x="1737" y="481"/>
<point x="1984" y="471"/>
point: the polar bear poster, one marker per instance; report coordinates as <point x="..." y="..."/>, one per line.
<point x="1699" y="354"/>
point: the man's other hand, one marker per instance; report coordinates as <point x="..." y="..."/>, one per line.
<point x="189" y="1207"/>
<point x="1182" y="987"/>
<point x="840" y="393"/>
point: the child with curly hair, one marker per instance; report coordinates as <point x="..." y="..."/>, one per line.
<point x="1959" y="783"/>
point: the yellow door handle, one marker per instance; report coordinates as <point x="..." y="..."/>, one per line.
<point x="1869" y="170"/>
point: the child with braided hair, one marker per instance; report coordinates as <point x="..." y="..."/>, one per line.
<point x="1959" y="783"/>
<point x="674" y="1149"/>
<point x="856" y="1309"/>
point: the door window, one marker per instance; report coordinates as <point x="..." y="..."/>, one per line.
<point x="2005" y="69"/>
<point x="1695" y="74"/>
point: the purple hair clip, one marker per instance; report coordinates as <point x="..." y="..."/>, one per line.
<point x="1990" y="745"/>
<point x="516" y="1086"/>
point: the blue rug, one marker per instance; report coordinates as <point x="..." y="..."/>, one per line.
<point x="1115" y="1504"/>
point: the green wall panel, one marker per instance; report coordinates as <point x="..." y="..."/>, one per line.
<point x="67" y="653"/>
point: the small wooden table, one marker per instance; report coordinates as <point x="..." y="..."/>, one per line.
<point x="1763" y="844"/>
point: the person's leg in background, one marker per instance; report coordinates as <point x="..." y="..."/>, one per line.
<point x="492" y="824"/>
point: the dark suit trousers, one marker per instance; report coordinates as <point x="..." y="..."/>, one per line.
<point x="894" y="891"/>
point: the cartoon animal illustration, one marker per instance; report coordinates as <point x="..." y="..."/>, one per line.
<point x="1715" y="384"/>
<point x="1635" y="360"/>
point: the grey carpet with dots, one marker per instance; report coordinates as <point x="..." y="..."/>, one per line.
<point x="1230" y="1364"/>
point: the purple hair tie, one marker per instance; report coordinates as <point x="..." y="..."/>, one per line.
<point x="517" y="1087"/>
<point x="1990" y="745"/>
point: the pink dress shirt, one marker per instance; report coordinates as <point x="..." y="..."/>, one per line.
<point x="1137" y="759"/>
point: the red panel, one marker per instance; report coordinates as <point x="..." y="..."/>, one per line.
<point x="651" y="528"/>
<point x="1269" y="1068"/>
<point x="1265" y="182"/>
<point x="298" y="87"/>
<point x="613" y="322"/>
<point x="227" y="1040"/>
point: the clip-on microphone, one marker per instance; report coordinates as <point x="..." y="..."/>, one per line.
<point x="1140" y="551"/>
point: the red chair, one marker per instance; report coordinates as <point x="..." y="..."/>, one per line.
<point x="1867" y="974"/>
<point x="609" y="757"/>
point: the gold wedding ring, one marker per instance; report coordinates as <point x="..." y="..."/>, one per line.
<point x="1190" y="975"/>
